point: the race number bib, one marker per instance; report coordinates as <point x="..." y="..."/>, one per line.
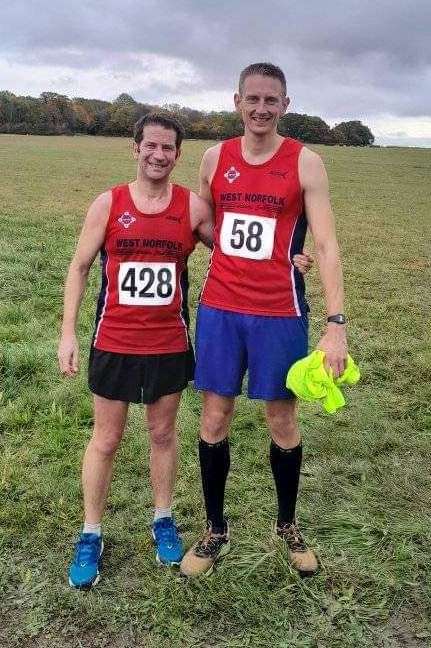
<point x="250" y="237"/>
<point x="146" y="284"/>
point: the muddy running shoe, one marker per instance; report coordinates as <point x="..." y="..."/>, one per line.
<point x="84" y="572"/>
<point x="300" y="556"/>
<point x="201" y="557"/>
<point x="169" y="547"/>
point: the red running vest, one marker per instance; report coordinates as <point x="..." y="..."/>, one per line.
<point x="142" y="306"/>
<point x="259" y="225"/>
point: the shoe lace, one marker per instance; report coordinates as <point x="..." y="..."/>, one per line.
<point x="292" y="536"/>
<point x="210" y="544"/>
<point x="87" y="550"/>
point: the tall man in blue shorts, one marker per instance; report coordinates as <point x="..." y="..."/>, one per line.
<point x="265" y="190"/>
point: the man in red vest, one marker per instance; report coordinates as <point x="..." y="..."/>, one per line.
<point x="265" y="190"/>
<point x="141" y="351"/>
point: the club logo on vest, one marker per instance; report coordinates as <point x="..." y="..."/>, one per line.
<point x="126" y="219"/>
<point x="232" y="174"/>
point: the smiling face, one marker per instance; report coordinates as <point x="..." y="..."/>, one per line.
<point x="157" y="152"/>
<point x="261" y="103"/>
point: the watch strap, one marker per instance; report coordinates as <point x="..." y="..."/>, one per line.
<point x="339" y="318"/>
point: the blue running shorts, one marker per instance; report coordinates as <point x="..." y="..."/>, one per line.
<point x="228" y="343"/>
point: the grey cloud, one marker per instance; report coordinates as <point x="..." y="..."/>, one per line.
<point x="157" y="93"/>
<point x="348" y="28"/>
<point x="345" y="57"/>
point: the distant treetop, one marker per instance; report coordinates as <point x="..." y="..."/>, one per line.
<point x="56" y="114"/>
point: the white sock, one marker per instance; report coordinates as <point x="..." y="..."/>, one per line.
<point x="92" y="528"/>
<point x="162" y="512"/>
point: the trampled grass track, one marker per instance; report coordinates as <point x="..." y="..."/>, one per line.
<point x="366" y="488"/>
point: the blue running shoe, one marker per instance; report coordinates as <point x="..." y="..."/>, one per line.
<point x="84" y="570"/>
<point x="169" y="546"/>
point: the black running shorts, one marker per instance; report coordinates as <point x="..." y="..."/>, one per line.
<point x="139" y="378"/>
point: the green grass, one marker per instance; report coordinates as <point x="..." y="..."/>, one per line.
<point x="365" y="496"/>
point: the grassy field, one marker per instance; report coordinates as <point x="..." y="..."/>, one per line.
<point x="365" y="500"/>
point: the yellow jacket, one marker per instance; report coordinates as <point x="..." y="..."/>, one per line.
<point x="309" y="380"/>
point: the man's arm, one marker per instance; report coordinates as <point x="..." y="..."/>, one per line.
<point x="314" y="182"/>
<point x="201" y="207"/>
<point x="201" y="219"/>
<point x="206" y="172"/>
<point x="89" y="243"/>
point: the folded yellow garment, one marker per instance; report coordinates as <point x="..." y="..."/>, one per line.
<point x="309" y="380"/>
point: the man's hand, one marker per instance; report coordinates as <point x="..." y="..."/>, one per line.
<point x="334" y="345"/>
<point x="303" y="262"/>
<point x="68" y="355"/>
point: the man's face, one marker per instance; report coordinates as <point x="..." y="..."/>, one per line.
<point x="157" y="152"/>
<point x="261" y="104"/>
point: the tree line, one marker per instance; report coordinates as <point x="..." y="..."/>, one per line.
<point x="56" y="114"/>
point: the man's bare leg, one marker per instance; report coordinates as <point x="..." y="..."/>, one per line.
<point x="217" y="413"/>
<point x="161" y="417"/>
<point x="109" y="422"/>
<point x="282" y="422"/>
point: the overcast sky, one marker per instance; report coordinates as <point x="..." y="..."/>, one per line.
<point x="343" y="59"/>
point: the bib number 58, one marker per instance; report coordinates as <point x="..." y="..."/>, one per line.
<point x="250" y="237"/>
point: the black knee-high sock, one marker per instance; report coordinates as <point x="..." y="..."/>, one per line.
<point x="215" y="462"/>
<point x="286" y="465"/>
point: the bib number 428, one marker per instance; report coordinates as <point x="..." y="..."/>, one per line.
<point x="250" y="237"/>
<point x="146" y="284"/>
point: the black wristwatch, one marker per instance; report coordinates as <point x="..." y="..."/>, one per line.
<point x="337" y="319"/>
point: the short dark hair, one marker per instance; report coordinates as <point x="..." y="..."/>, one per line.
<point x="264" y="69"/>
<point x="160" y="119"/>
